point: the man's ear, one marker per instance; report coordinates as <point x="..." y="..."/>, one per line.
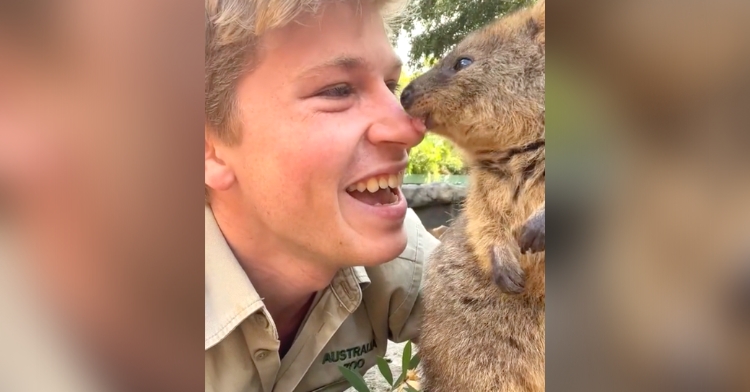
<point x="218" y="174"/>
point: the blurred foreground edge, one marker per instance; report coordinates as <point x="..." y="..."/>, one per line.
<point x="649" y="196"/>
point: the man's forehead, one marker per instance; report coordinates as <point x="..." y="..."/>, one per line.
<point x="351" y="62"/>
<point x="338" y="35"/>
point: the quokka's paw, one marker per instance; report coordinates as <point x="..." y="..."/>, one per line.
<point x="531" y="236"/>
<point x="438" y="231"/>
<point x="506" y="270"/>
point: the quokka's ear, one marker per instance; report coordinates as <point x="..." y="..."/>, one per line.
<point x="537" y="21"/>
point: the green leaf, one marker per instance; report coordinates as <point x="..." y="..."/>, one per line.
<point x="406" y="358"/>
<point x="355" y="379"/>
<point x="385" y="370"/>
<point x="410" y="388"/>
<point x="414" y="362"/>
<point x="399" y="381"/>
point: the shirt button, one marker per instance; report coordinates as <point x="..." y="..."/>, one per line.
<point x="261" y="354"/>
<point x="262" y="321"/>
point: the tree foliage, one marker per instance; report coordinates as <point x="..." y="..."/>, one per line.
<point x="434" y="155"/>
<point x="445" y="22"/>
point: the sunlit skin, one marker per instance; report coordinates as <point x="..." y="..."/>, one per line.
<point x="319" y="113"/>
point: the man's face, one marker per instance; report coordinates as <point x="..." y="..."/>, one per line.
<point x="319" y="117"/>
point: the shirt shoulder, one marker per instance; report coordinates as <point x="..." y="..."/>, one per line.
<point x="393" y="296"/>
<point x="404" y="271"/>
<point x="420" y="243"/>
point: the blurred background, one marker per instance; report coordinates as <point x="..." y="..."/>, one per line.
<point x="648" y="196"/>
<point x="101" y="222"/>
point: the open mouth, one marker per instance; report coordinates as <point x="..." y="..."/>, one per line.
<point x="379" y="190"/>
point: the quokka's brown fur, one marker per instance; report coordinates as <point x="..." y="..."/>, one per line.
<point x="483" y="327"/>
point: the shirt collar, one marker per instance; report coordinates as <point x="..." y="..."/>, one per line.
<point x="230" y="297"/>
<point x="360" y="274"/>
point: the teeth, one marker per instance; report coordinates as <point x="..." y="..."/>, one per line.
<point x="393" y="181"/>
<point x="373" y="184"/>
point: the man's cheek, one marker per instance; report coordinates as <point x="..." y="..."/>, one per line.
<point x="318" y="160"/>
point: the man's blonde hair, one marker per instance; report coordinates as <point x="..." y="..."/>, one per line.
<point x="232" y="31"/>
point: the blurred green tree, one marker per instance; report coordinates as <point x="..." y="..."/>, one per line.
<point x="435" y="156"/>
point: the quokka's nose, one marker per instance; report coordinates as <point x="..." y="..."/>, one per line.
<point x="407" y="97"/>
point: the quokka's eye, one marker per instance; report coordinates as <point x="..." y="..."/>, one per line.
<point x="462" y="63"/>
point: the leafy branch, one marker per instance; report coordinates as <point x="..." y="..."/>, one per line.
<point x="406" y="381"/>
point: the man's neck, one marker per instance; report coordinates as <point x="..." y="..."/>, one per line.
<point x="285" y="282"/>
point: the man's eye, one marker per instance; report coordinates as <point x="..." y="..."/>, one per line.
<point x="340" y="91"/>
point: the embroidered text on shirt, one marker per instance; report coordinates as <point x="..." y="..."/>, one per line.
<point x="350" y="353"/>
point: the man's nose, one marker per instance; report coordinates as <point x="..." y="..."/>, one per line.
<point x="407" y="96"/>
<point x="392" y="125"/>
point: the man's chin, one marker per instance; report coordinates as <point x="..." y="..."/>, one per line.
<point x="382" y="250"/>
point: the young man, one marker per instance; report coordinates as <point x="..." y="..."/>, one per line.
<point x="312" y="258"/>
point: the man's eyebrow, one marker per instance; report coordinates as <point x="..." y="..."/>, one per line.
<point x="344" y="62"/>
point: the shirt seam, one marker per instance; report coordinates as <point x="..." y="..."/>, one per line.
<point x="338" y="298"/>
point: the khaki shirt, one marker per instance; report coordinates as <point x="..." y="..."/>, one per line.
<point x="349" y="322"/>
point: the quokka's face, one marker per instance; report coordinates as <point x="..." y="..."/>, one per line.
<point x="488" y="91"/>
